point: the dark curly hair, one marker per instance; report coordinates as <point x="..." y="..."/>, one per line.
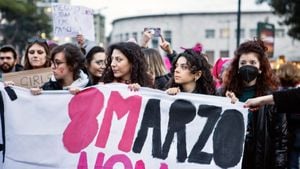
<point x="27" y="65"/>
<point x="136" y="57"/>
<point x="196" y="62"/>
<point x="88" y="59"/>
<point x="73" y="56"/>
<point x="266" y="81"/>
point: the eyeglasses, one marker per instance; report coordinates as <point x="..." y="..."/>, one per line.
<point x="40" y="52"/>
<point x="6" y="57"/>
<point x="37" y="39"/>
<point x="56" y="63"/>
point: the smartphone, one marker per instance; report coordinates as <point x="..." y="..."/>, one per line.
<point x="156" y="32"/>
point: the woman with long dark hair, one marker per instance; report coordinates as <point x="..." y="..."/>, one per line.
<point x="191" y="73"/>
<point x="126" y="64"/>
<point x="95" y="62"/>
<point x="250" y="75"/>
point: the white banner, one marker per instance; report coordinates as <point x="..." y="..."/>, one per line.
<point x="110" y="127"/>
<point x="71" y="20"/>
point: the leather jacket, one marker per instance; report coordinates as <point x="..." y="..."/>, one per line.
<point x="266" y="145"/>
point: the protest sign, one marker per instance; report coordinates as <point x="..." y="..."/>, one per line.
<point x="29" y="78"/>
<point x="71" y="20"/>
<point x="110" y="127"/>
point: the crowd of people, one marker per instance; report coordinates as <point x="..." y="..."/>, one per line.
<point x="273" y="131"/>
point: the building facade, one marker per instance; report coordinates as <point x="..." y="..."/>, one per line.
<point x="215" y="30"/>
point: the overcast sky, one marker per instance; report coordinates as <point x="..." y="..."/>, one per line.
<point x="113" y="9"/>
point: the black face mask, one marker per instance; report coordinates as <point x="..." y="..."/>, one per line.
<point x="248" y="73"/>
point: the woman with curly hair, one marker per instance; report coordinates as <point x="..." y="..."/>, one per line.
<point x="191" y="73"/>
<point x="126" y="64"/>
<point x="250" y="75"/>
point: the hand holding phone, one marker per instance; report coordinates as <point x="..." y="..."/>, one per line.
<point x="156" y="32"/>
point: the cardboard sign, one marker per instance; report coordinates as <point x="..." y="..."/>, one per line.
<point x="110" y="127"/>
<point x="29" y="78"/>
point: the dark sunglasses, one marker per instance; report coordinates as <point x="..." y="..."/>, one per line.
<point x="36" y="39"/>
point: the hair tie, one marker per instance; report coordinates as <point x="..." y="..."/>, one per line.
<point x="197" y="48"/>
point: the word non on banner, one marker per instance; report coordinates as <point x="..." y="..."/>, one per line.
<point x="71" y="20"/>
<point x="110" y="127"/>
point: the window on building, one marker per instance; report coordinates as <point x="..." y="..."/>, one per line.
<point x="242" y="33"/>
<point x="224" y="53"/>
<point x="121" y="37"/>
<point x="168" y="36"/>
<point x="135" y="36"/>
<point x="210" y="56"/>
<point x="253" y="33"/>
<point x="279" y="33"/>
<point x="126" y="36"/>
<point x="154" y="42"/>
<point x="224" y="33"/>
<point x="209" y="33"/>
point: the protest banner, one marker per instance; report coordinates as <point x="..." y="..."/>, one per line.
<point x="29" y="78"/>
<point x="110" y="127"/>
<point x="69" y="20"/>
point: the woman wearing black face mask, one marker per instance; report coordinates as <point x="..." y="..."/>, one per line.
<point x="250" y="75"/>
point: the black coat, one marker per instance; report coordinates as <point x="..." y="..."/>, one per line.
<point x="288" y="101"/>
<point x="266" y="145"/>
<point x="161" y="81"/>
<point x="52" y="85"/>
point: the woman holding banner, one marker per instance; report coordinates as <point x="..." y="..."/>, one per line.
<point x="126" y="64"/>
<point x="191" y="73"/>
<point x="250" y="75"/>
<point x="66" y="63"/>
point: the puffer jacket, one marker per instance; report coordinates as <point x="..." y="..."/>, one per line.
<point x="266" y="145"/>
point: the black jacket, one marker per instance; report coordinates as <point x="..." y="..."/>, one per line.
<point x="287" y="101"/>
<point x="266" y="141"/>
<point x="161" y="81"/>
<point x="18" y="67"/>
<point x="52" y="85"/>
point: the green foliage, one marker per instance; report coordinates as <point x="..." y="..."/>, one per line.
<point x="290" y="11"/>
<point x="22" y="20"/>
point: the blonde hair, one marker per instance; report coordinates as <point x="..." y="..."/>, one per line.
<point x="288" y="74"/>
<point x="155" y="62"/>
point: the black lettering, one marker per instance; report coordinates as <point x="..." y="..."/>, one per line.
<point x="151" y="119"/>
<point x="212" y="113"/>
<point x="228" y="139"/>
<point x="181" y="113"/>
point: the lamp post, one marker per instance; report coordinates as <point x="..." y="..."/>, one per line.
<point x="238" y="28"/>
